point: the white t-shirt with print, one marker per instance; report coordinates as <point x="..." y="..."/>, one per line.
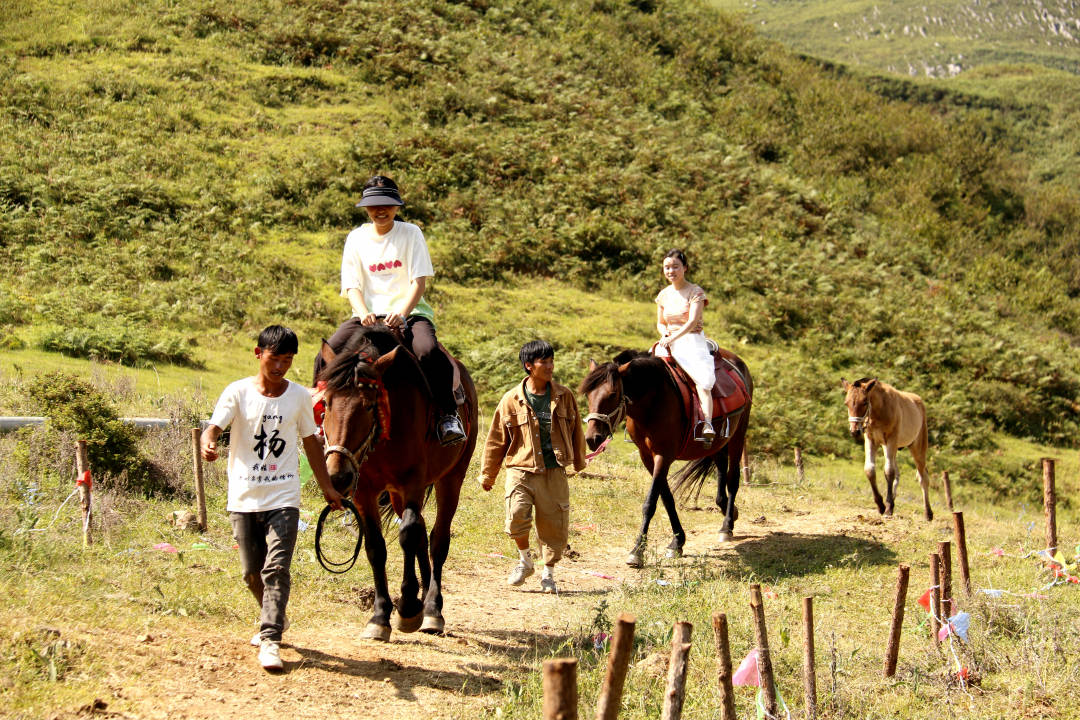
<point x="264" y="464"/>
<point x="383" y="267"/>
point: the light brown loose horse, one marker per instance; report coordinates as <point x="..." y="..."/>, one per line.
<point x="888" y="417"/>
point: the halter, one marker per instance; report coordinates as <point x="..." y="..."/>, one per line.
<point x="615" y="417"/>
<point x="861" y="421"/>
<point x="375" y="433"/>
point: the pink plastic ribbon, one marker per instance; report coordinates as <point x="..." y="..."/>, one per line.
<point x="165" y="547"/>
<point x="747" y="673"/>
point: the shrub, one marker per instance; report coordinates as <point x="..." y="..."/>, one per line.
<point x="75" y="408"/>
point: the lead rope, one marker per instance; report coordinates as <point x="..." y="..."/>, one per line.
<point x="330" y="565"/>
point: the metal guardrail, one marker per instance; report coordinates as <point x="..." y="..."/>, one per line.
<point x="14" y="423"/>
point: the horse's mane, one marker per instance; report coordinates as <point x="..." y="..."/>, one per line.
<point x="357" y="358"/>
<point x="608" y="372"/>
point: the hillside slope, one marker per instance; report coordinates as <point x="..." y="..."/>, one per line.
<point x="171" y="173"/>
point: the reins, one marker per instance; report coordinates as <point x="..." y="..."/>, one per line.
<point x="330" y="565"/>
<point x="379" y="430"/>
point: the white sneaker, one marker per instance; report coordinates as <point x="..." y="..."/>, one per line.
<point x="547" y="584"/>
<point x="256" y="639"/>
<point x="518" y="574"/>
<point x="270" y="655"/>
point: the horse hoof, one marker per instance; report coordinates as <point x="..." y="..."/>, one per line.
<point x="433" y="625"/>
<point x="725" y="537"/>
<point x="673" y="553"/>
<point x="634" y="560"/>
<point x="406" y="624"/>
<point x="374" y="631"/>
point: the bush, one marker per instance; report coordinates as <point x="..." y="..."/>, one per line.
<point x="76" y="409"/>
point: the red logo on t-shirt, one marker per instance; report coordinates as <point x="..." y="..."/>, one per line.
<point x="381" y="267"/>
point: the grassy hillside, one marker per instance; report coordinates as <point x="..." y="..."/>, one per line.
<point x="915" y="39"/>
<point x="172" y="177"/>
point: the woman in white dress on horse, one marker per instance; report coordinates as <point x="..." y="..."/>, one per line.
<point x="679" y="310"/>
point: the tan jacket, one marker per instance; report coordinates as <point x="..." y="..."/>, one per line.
<point x="514" y="437"/>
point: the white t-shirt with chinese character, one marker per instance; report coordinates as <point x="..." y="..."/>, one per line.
<point x="264" y="464"/>
<point x="383" y="267"/>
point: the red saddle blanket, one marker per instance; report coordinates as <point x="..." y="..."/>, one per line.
<point x="729" y="396"/>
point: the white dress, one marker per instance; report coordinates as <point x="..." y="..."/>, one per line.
<point x="691" y="350"/>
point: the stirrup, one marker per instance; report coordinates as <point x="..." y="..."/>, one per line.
<point x="450" y="430"/>
<point x="705" y="432"/>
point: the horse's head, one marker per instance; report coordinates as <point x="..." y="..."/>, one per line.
<point x="603" y="390"/>
<point x="857" y="399"/>
<point x="357" y="409"/>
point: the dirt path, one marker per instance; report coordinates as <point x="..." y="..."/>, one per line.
<point x="492" y="629"/>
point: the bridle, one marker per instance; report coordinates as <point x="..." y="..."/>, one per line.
<point x="860" y="422"/>
<point x="615" y="417"/>
<point x="356" y="457"/>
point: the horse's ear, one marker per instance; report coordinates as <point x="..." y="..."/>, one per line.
<point x="385" y="361"/>
<point x="624" y="368"/>
<point x="870" y="384"/>
<point x="844" y="384"/>
<point x="327" y="353"/>
<point x="592" y="365"/>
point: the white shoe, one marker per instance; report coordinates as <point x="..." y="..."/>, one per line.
<point x="518" y="574"/>
<point x="547" y="584"/>
<point x="256" y="639"/>
<point x="270" y="655"/>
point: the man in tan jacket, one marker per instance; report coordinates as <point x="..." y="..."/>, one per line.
<point x="536" y="434"/>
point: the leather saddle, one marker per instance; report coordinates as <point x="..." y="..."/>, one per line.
<point x="729" y="394"/>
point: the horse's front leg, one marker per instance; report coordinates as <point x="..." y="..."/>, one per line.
<point x="414" y="548"/>
<point x="870" y="468"/>
<point x="378" y="627"/>
<point x="892" y="477"/>
<point x="658" y="466"/>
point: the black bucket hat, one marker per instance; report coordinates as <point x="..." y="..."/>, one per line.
<point x="380" y="195"/>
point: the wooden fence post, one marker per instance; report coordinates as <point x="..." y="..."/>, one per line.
<point x="200" y="492"/>
<point x="560" y="689"/>
<point x="961" y="550"/>
<point x="1049" y="501"/>
<point x="800" y="472"/>
<point x="809" y="675"/>
<point x="676" y="682"/>
<point x="723" y="666"/>
<point x="768" y="683"/>
<point x="948" y="604"/>
<point x="897" y="620"/>
<point x="84" y="484"/>
<point x="622" y="643"/>
<point x="935" y="597"/>
<point x="948" y="489"/>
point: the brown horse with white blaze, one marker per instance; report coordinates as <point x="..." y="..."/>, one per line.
<point x="882" y="416"/>
<point x="379" y="415"/>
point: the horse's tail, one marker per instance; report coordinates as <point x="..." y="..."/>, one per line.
<point x="687" y="483"/>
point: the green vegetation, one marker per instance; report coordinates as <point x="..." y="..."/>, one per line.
<point x="174" y="176"/>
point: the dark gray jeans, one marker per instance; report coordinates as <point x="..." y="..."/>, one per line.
<point x="266" y="541"/>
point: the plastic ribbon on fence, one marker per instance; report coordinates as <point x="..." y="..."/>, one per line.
<point x="165" y="547"/>
<point x="957" y="625"/>
<point x="762" y="713"/>
<point x="747" y="673"/>
<point x="85" y="479"/>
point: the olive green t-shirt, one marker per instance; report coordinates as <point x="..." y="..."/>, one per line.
<point x="541" y="405"/>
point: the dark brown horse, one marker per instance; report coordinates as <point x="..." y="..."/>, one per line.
<point x="637" y="386"/>
<point x="379" y="440"/>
